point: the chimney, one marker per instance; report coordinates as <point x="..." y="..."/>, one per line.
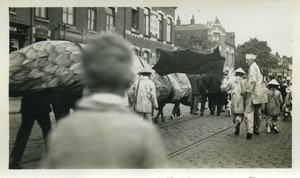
<point x="193" y="20"/>
<point x="178" y="21"/>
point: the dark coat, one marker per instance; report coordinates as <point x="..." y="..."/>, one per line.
<point x="214" y="84"/>
<point x="194" y="79"/>
<point x="37" y="103"/>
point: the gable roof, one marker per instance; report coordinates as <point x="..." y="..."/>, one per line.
<point x="217" y="21"/>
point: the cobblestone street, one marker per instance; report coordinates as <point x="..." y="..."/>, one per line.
<point x="225" y="150"/>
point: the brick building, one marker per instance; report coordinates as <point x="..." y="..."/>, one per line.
<point x="205" y="37"/>
<point x="148" y="28"/>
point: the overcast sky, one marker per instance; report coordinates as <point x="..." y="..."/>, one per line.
<point x="271" y="24"/>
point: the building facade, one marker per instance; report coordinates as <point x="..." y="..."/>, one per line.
<point x="205" y="37"/>
<point x="147" y="28"/>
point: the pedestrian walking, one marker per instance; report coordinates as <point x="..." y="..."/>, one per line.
<point x="256" y="95"/>
<point x="103" y="132"/>
<point x="203" y="92"/>
<point x="287" y="107"/>
<point x="194" y="79"/>
<point x="273" y="106"/>
<point x="34" y="107"/>
<point x="144" y="95"/>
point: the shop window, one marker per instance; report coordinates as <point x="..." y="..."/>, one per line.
<point x="41" y="12"/>
<point x="168" y="35"/>
<point x="147" y="21"/>
<point x="92" y="19"/>
<point x="110" y="19"/>
<point x="68" y="15"/>
<point x="13" y="45"/>
<point x="161" y="26"/>
<point x="135" y="20"/>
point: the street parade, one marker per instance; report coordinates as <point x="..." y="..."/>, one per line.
<point x="100" y="104"/>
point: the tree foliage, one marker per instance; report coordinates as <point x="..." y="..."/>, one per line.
<point x="260" y="48"/>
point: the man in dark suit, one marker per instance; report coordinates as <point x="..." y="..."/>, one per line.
<point x="33" y="107"/>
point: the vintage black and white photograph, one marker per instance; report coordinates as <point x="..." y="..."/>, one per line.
<point x="150" y="87"/>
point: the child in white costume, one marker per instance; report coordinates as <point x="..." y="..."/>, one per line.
<point x="273" y="107"/>
<point x="235" y="85"/>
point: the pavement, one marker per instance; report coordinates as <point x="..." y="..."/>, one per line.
<point x="225" y="150"/>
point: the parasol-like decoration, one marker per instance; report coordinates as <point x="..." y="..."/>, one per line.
<point x="46" y="64"/>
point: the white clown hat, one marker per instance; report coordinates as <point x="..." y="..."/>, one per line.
<point x="146" y="70"/>
<point x="273" y="82"/>
<point x="240" y="70"/>
<point x="250" y="56"/>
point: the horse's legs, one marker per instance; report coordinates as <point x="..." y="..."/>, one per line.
<point x="160" y="112"/>
<point x="212" y="102"/>
<point x="192" y="105"/>
<point x="156" y="117"/>
<point x="203" y="101"/>
<point x="175" y="110"/>
<point x="178" y="113"/>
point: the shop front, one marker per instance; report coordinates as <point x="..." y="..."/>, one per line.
<point x="41" y="33"/>
<point x="19" y="36"/>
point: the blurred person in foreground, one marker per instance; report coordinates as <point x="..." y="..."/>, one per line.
<point x="103" y="132"/>
<point x="144" y="95"/>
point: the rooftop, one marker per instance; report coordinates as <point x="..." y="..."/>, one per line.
<point x="191" y="27"/>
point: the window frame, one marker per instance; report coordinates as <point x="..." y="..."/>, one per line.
<point x="148" y="56"/>
<point x="38" y="12"/>
<point x="147" y="25"/>
<point x="67" y="13"/>
<point x="136" y="51"/>
<point x="160" y="27"/>
<point x="92" y="20"/>
<point x="109" y="17"/>
<point x="136" y="29"/>
<point x="12" y="11"/>
<point x="216" y="34"/>
<point x="169" y="30"/>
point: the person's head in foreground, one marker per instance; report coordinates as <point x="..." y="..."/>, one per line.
<point x="102" y="132"/>
<point x="107" y="64"/>
<point x="250" y="59"/>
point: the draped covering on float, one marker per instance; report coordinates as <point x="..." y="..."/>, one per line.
<point x="190" y="62"/>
